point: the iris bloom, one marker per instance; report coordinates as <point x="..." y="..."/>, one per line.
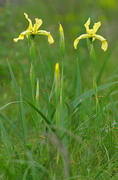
<point x="34" y="30"/>
<point x="91" y="33"/>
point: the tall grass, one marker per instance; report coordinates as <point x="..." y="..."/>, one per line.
<point x="58" y="126"/>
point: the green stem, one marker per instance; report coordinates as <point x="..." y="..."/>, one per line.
<point x="79" y="88"/>
<point x="62" y="74"/>
<point x="32" y="71"/>
<point x="93" y="59"/>
<point x="45" y="85"/>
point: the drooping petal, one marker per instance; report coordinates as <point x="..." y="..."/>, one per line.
<point x="30" y="27"/>
<point x="50" y="39"/>
<point x="104" y="42"/>
<point x="104" y="45"/>
<point x="38" y="23"/>
<point x="86" y="25"/>
<point x="83" y="36"/>
<point x="96" y="26"/>
<point x="45" y="33"/>
<point x="21" y="36"/>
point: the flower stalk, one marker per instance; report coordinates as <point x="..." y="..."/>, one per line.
<point x="93" y="59"/>
<point x="62" y="50"/>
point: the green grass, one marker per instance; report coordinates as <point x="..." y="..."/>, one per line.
<point x="51" y="126"/>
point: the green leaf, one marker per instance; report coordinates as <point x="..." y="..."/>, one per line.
<point x="19" y="98"/>
<point x="47" y="122"/>
<point x="91" y="92"/>
<point x="12" y="126"/>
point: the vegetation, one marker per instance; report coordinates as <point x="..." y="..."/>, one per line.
<point x="58" y="106"/>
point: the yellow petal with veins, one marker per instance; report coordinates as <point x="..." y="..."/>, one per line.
<point x="38" y="23"/>
<point x="45" y="33"/>
<point x="96" y="26"/>
<point x="86" y="25"/>
<point x="83" y="36"/>
<point x="30" y="22"/>
<point x="21" y="36"/>
<point x="104" y="42"/>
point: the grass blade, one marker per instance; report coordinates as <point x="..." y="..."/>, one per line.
<point x="91" y="92"/>
<point x="19" y="98"/>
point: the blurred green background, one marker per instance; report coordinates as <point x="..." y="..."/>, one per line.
<point x="72" y="14"/>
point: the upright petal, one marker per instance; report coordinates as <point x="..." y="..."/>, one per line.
<point x="57" y="70"/>
<point x="21" y="36"/>
<point x="30" y="22"/>
<point x="83" y="36"/>
<point x="45" y="33"/>
<point x="62" y="39"/>
<point x="86" y="25"/>
<point x="96" y="26"/>
<point x="104" y="42"/>
<point x="38" y="23"/>
<point x="61" y="29"/>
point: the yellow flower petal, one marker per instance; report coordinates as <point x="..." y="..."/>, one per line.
<point x="62" y="39"/>
<point x="96" y="26"/>
<point x="50" y="39"/>
<point x="83" y="36"/>
<point x="86" y="25"/>
<point x="45" y="33"/>
<point x="104" y="45"/>
<point x="104" y="42"/>
<point x="38" y="23"/>
<point x="57" y="70"/>
<point x="61" y="29"/>
<point x="21" y="36"/>
<point x="30" y="22"/>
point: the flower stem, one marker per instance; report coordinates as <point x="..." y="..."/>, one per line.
<point x="45" y="85"/>
<point x="79" y="88"/>
<point x="32" y="71"/>
<point x="93" y="59"/>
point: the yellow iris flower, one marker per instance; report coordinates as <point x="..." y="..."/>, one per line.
<point x="91" y="33"/>
<point x="33" y="30"/>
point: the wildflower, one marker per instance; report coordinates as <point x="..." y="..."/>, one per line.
<point x="91" y="33"/>
<point x="34" y="30"/>
<point x="62" y="41"/>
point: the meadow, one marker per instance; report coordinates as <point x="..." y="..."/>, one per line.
<point x="58" y="103"/>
